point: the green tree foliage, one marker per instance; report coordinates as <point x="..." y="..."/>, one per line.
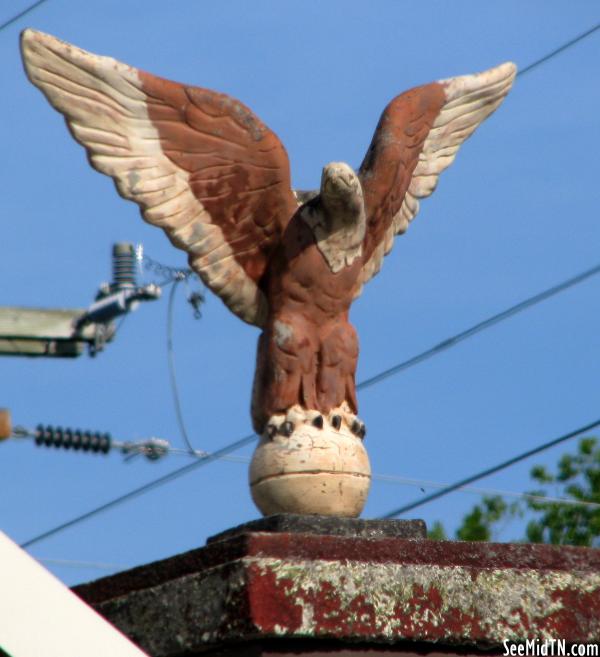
<point x="437" y="532"/>
<point x="577" y="478"/>
<point x="479" y="523"/>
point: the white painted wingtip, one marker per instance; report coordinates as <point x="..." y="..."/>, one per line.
<point x="504" y="71"/>
<point x="29" y="35"/>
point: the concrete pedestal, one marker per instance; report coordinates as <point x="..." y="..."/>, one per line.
<point x="291" y="590"/>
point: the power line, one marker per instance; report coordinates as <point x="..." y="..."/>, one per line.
<point x="25" y="11"/>
<point x="92" y="565"/>
<point x="558" y="50"/>
<point x="445" y="344"/>
<point x="476" y="490"/>
<point x="168" y="273"/>
<point x="364" y="384"/>
<point x="489" y="471"/>
<point x="421" y="483"/>
<point x="210" y="457"/>
<point x="480" y="326"/>
<point x="140" y="490"/>
<point x="155" y="448"/>
<point x="176" y="275"/>
<point x="173" y="272"/>
<point x="172" y="373"/>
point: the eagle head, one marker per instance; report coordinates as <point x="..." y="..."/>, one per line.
<point x="341" y="191"/>
<point x="337" y="216"/>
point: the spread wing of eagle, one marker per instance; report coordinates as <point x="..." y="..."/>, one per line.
<point x="206" y="170"/>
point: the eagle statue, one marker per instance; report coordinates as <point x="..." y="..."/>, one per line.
<point x="206" y="170"/>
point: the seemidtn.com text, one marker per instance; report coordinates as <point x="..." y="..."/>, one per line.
<point x="550" y="648"/>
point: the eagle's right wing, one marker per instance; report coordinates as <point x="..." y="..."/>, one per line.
<point x="199" y="164"/>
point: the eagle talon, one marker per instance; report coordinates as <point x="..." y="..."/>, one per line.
<point x="318" y="422"/>
<point x="359" y="429"/>
<point x="336" y="422"/>
<point x="271" y="431"/>
<point x="286" y="429"/>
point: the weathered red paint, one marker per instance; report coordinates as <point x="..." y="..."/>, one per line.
<point x="269" y="605"/>
<point x="576" y="606"/>
<point x="334" y="548"/>
<point x="239" y="171"/>
<point x="205" y="169"/>
<point x="275" y="611"/>
<point x="385" y="590"/>
<point x="443" y="553"/>
<point x="393" y="154"/>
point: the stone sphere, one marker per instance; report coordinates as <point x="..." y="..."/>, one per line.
<point x="313" y="471"/>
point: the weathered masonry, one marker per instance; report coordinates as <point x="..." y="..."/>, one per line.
<point x="289" y="586"/>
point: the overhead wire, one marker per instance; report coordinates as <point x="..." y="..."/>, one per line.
<point x="25" y="11"/>
<point x="172" y="372"/>
<point x="213" y="456"/>
<point x="209" y="457"/>
<point x="155" y="449"/>
<point x="453" y="340"/>
<point x="140" y="490"/>
<point x="91" y="565"/>
<point x="168" y="273"/>
<point x="364" y="384"/>
<point x="492" y="470"/>
<point x="476" y="490"/>
<point x="172" y="272"/>
<point x="490" y="322"/>
<point x="421" y="483"/>
<point x="557" y="51"/>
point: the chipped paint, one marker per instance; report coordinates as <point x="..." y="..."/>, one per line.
<point x="118" y="114"/>
<point x="313" y="470"/>
<point x="391" y="601"/>
<point x="282" y="333"/>
<point x="380" y="590"/>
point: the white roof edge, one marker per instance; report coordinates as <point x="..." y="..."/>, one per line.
<point x="39" y="615"/>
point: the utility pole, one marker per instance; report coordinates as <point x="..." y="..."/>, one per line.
<point x="64" y="332"/>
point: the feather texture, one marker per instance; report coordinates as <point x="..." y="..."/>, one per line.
<point x="418" y="137"/>
<point x="199" y="164"/>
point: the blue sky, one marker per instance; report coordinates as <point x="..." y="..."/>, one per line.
<point x="517" y="212"/>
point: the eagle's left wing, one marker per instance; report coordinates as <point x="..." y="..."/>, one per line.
<point x="417" y="137"/>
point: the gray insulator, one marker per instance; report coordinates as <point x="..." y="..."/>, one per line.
<point x="124" y="266"/>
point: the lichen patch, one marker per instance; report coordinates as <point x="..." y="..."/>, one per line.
<point x="392" y="601"/>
